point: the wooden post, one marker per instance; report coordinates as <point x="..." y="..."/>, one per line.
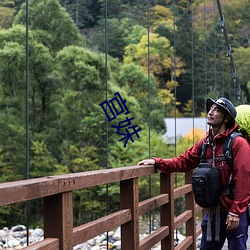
<point x="58" y="219"/>
<point x="167" y="210"/>
<point x="190" y="205"/>
<point x="129" y="197"/>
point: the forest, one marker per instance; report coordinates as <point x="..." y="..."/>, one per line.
<point x="59" y="60"/>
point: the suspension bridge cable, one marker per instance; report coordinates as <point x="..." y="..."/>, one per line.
<point x="205" y="49"/>
<point x="149" y="121"/>
<point x="221" y="68"/>
<point x="106" y="82"/>
<point x="192" y="73"/>
<point x="229" y="52"/>
<point x="175" y="95"/>
<point x="27" y="207"/>
<point x="174" y="71"/>
<point x="215" y="52"/>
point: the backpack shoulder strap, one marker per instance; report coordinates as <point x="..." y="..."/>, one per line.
<point x="227" y="148"/>
<point x="203" y="152"/>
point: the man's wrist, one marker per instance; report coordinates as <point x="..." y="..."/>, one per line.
<point x="233" y="214"/>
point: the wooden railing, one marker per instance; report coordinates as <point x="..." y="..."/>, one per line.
<point x="59" y="232"/>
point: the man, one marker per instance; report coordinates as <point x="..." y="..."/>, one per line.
<point x="221" y="115"/>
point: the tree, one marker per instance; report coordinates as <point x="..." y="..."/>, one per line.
<point x="53" y="25"/>
<point x="84" y="13"/>
<point x="161" y="16"/>
<point x="136" y="82"/>
<point x="6" y="17"/>
<point x="242" y="64"/>
<point x="161" y="57"/>
<point x="117" y="30"/>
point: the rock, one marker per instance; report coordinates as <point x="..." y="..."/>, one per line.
<point x="13" y="243"/>
<point x="38" y="232"/>
<point x="18" y="228"/>
<point x="100" y="238"/>
<point x="117" y="244"/>
<point x="117" y="234"/>
<point x="111" y="239"/>
<point x="111" y="233"/>
<point x="95" y="248"/>
<point x="3" y="233"/>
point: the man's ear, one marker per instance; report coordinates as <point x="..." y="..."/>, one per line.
<point x="228" y="118"/>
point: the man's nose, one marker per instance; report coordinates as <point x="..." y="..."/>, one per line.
<point x="210" y="111"/>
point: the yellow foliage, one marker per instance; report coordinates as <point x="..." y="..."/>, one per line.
<point x="172" y="84"/>
<point x="6" y="17"/>
<point x="166" y="96"/>
<point x="195" y="134"/>
<point x="161" y="15"/>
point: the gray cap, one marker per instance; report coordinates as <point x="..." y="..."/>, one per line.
<point x="223" y="103"/>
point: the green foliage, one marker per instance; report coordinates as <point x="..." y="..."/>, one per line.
<point x="137" y="84"/>
<point x="42" y="162"/>
<point x="13" y="148"/>
<point x="67" y="83"/>
<point x="84" y="13"/>
<point x="118" y="32"/>
<point x="242" y="63"/>
<point x="6" y="17"/>
<point x="53" y="25"/>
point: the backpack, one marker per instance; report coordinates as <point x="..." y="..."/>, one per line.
<point x="243" y="120"/>
<point x="206" y="179"/>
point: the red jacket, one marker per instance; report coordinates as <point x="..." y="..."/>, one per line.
<point x="241" y="167"/>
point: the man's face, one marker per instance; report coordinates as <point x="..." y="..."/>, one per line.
<point x="215" y="116"/>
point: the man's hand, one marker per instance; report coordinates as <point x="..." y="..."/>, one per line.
<point x="232" y="221"/>
<point x="146" y="162"/>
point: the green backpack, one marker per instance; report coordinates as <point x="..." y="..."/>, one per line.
<point x="243" y="120"/>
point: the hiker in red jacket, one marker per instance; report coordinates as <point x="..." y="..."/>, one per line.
<point x="221" y="115"/>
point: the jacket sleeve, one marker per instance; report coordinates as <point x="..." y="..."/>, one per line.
<point x="241" y="175"/>
<point x="183" y="163"/>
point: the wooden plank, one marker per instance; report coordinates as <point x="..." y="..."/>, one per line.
<point x="185" y="244"/>
<point x="182" y="218"/>
<point x="178" y="192"/>
<point x="198" y="231"/>
<point x="99" y="177"/>
<point x="198" y="209"/>
<point x="167" y="210"/>
<point x="129" y="196"/>
<point x="24" y="190"/>
<point x="190" y="205"/>
<point x="90" y="230"/>
<point x="46" y="244"/>
<point x="152" y="203"/>
<point x="154" y="238"/>
<point x="58" y="219"/>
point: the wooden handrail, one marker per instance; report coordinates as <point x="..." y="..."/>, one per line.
<point x="56" y="191"/>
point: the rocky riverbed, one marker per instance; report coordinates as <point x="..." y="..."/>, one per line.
<point x="16" y="238"/>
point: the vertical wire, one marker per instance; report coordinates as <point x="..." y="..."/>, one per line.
<point x="205" y="50"/>
<point x="215" y="51"/>
<point x="175" y="91"/>
<point x="106" y="81"/>
<point x="193" y="94"/>
<point x="77" y="13"/>
<point x="236" y="89"/>
<point x="27" y="208"/>
<point x="175" y="95"/>
<point x="149" y="121"/>
<point x="222" y="69"/>
<point x="174" y="76"/>
<point x="229" y="83"/>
